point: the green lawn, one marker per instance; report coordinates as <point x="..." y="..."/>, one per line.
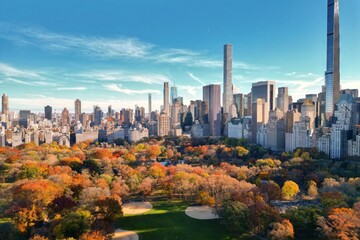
<point x="167" y="220"/>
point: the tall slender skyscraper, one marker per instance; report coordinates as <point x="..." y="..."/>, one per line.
<point x="77" y="109"/>
<point x="228" y="87"/>
<point x="332" y="74"/>
<point x="149" y="107"/>
<point x="166" y="106"/>
<point x="5" y="106"/>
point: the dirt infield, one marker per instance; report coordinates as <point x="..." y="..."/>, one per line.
<point x="120" y="234"/>
<point x="136" y="207"/>
<point x="201" y="212"/>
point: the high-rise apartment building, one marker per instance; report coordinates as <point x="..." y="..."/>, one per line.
<point x="65" y="117"/>
<point x="211" y="97"/>
<point x="247" y="104"/>
<point x="265" y="90"/>
<point x="110" y="112"/>
<point x="341" y="131"/>
<point x="98" y="115"/>
<point x="77" y="110"/>
<point x="239" y="103"/>
<point x="166" y="106"/>
<point x="332" y="74"/>
<point x="228" y="86"/>
<point x="260" y="116"/>
<point x="24" y="116"/>
<point x="48" y="112"/>
<point x="163" y="122"/>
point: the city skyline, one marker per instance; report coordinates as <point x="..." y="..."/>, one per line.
<point x="43" y="63"/>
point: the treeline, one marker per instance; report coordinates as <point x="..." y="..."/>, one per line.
<point x="54" y="192"/>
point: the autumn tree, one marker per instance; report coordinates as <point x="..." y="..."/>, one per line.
<point x="101" y="153"/>
<point x="94" y="235"/>
<point x="312" y="189"/>
<point x="204" y="198"/>
<point x="108" y="208"/>
<point x="146" y="187"/>
<point x="340" y="223"/>
<point x="281" y="230"/>
<point x="241" y="151"/>
<point x="289" y="190"/>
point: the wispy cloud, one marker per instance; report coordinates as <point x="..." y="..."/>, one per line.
<point x="192" y="76"/>
<point x="10" y="71"/>
<point x="71" y="88"/>
<point x="120" y="89"/>
<point x="88" y="45"/>
<point x="302" y="75"/>
<point x="113" y="48"/>
<point x="122" y="76"/>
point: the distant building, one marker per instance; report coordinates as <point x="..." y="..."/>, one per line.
<point x="259" y="117"/>
<point x="163" y="123"/>
<point x="136" y="134"/>
<point x="228" y="86"/>
<point x="5" y="107"/>
<point x="341" y="131"/>
<point x="65" y="117"/>
<point x="77" y="110"/>
<point x="332" y="73"/>
<point x="239" y="103"/>
<point x="166" y="105"/>
<point x="275" y="130"/>
<point x="211" y="97"/>
<point x="283" y="99"/>
<point x="197" y="130"/>
<point x="48" y="112"/>
<point x="235" y="128"/>
<point x="17" y="139"/>
<point x="98" y="115"/>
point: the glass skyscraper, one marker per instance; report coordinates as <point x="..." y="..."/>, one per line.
<point x="332" y="74"/>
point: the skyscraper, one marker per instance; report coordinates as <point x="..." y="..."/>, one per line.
<point x="332" y="74"/>
<point x="283" y="99"/>
<point x="228" y="87"/>
<point x="48" y="112"/>
<point x="5" y="106"/>
<point x="98" y="115"/>
<point x="265" y="90"/>
<point x="166" y="106"/>
<point x="239" y="103"/>
<point x="211" y="96"/>
<point x="77" y="109"/>
<point x="173" y="94"/>
<point x="149" y="102"/>
<point x="65" y="117"/>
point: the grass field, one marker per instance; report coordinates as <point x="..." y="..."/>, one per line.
<point x="167" y="220"/>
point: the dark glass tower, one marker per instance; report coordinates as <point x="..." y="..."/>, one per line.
<point x="332" y="74"/>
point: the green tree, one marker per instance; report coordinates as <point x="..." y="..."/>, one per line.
<point x="236" y="216"/>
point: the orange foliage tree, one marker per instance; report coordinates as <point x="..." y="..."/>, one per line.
<point x="341" y="223"/>
<point x="282" y="230"/>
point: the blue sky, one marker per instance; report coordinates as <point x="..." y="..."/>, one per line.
<point x="115" y="52"/>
